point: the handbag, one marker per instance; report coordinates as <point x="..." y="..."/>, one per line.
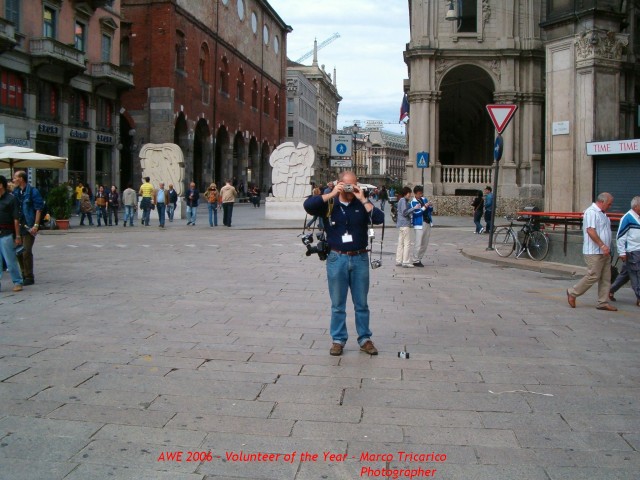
<point x="153" y="206"/>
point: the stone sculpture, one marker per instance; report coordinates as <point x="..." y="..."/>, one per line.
<point x="163" y="162"/>
<point x="292" y="170"/>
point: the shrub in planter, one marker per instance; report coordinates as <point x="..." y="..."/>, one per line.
<point x="60" y="202"/>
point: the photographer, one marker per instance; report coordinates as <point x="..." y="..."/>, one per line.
<point x="347" y="214"/>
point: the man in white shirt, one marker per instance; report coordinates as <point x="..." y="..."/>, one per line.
<point x="597" y="253"/>
<point x="628" y="243"/>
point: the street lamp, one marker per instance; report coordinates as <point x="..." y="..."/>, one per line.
<point x="365" y="145"/>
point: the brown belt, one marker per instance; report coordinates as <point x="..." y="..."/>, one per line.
<point x="352" y="253"/>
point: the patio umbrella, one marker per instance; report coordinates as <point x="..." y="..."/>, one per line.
<point x="14" y="149"/>
<point x="29" y="159"/>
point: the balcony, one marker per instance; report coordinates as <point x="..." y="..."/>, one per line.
<point x="101" y="3"/>
<point x="7" y="35"/>
<point x="464" y="177"/>
<point x="108" y="73"/>
<point x="52" y="54"/>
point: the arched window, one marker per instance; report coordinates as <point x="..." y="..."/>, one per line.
<point x="254" y="94"/>
<point x="78" y="109"/>
<point x="276" y="107"/>
<point x="240" y="85"/>
<point x="203" y="66"/>
<point x="224" y="76"/>
<point x="265" y="101"/>
<point x="125" y="53"/>
<point x="181" y="50"/>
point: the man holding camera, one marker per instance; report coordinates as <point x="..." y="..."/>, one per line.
<point x="348" y="214"/>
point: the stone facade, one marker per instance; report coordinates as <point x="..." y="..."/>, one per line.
<point x="302" y="110"/>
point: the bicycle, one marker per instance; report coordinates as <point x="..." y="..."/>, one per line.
<point x="536" y="243"/>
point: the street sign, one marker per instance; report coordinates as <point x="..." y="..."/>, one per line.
<point x="341" y="163"/>
<point x="501" y="115"/>
<point x="497" y="148"/>
<point x="341" y="145"/>
<point x="422" y="160"/>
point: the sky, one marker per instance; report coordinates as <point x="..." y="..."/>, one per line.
<point x="367" y="56"/>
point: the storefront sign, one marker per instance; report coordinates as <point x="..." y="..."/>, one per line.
<point x="48" y="129"/>
<point x="80" y="134"/>
<point x="616" y="147"/>
<point x="19" y="142"/>
<point x="104" y="138"/>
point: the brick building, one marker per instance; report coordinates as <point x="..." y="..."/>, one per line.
<point x="60" y="84"/>
<point x="210" y="77"/>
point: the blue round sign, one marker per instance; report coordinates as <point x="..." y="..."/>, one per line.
<point x="341" y="148"/>
<point x="497" y="148"/>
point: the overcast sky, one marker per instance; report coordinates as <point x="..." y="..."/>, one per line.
<point x="367" y="56"/>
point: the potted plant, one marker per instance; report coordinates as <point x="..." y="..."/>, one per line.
<point x="60" y="204"/>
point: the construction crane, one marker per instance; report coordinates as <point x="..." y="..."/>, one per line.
<point x="322" y="45"/>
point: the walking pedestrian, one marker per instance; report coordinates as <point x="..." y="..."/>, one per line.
<point x="212" y="204"/>
<point x="10" y="235"/>
<point x="130" y="202"/>
<point x="86" y="209"/>
<point x="478" y="207"/>
<point x="228" y="196"/>
<point x="101" y="205"/>
<point x="192" y="197"/>
<point x="628" y="244"/>
<point x="383" y="196"/>
<point x="146" y="192"/>
<point x="113" y="205"/>
<point x="160" y="198"/>
<point x="597" y="253"/>
<point x="173" y="200"/>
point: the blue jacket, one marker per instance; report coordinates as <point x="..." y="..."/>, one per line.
<point x="29" y="202"/>
<point x="421" y="217"/>
<point x="352" y="219"/>
<point x="488" y="202"/>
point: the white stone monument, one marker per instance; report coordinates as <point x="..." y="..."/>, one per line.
<point x="164" y="162"/>
<point x="291" y="181"/>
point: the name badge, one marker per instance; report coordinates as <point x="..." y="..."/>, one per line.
<point x="347" y="238"/>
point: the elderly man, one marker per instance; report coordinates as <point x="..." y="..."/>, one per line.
<point x="597" y="253"/>
<point x="628" y="243"/>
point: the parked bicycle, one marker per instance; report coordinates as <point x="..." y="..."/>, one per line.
<point x="529" y="239"/>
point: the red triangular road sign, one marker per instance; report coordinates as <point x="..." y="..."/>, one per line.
<point x="501" y="115"/>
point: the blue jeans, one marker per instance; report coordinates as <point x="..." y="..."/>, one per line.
<point x="477" y="216"/>
<point x="145" y="205"/>
<point x="128" y="214"/>
<point x="213" y="214"/>
<point x="101" y="213"/>
<point x="348" y="273"/>
<point x="8" y="252"/>
<point x="161" y="207"/>
<point x="191" y="214"/>
<point x="170" y="209"/>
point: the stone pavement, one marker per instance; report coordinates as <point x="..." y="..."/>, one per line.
<point x="139" y="343"/>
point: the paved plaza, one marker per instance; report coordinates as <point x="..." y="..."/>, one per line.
<point x="193" y="353"/>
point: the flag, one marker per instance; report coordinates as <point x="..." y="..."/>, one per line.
<point x="404" y="109"/>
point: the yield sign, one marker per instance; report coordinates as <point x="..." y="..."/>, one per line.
<point x="501" y="115"/>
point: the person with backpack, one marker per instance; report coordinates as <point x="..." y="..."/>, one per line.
<point x="212" y="202"/>
<point x="30" y="203"/>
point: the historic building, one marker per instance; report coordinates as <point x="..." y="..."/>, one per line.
<point x="380" y="156"/>
<point x="61" y="82"/>
<point x="210" y="77"/>
<point x="302" y="110"/>
<point x="569" y="67"/>
<point x="328" y="101"/>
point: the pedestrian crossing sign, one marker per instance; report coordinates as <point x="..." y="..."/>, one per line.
<point x="422" y="160"/>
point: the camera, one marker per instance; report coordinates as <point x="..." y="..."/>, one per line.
<point x="376" y="264"/>
<point x="348" y="188"/>
<point x="321" y="248"/>
<point x="19" y="249"/>
<point x="403" y="354"/>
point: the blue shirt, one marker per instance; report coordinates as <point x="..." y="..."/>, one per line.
<point x="420" y="217"/>
<point x="488" y="202"/>
<point x="352" y="218"/>
<point x="160" y="196"/>
<point x="29" y="200"/>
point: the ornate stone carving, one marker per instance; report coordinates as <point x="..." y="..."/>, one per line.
<point x="600" y="44"/>
<point x="494" y="65"/>
<point x="292" y="170"/>
<point x="486" y="12"/>
<point x="441" y="66"/>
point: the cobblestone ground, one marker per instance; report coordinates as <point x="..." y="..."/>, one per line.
<point x="139" y="343"/>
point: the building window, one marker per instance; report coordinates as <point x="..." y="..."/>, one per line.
<point x="203" y="66"/>
<point x="11" y="91"/>
<point x="224" y="76"/>
<point x="276" y="107"/>
<point x="265" y="101"/>
<point x="47" y="101"/>
<point x="80" y="35"/>
<point x="78" y="109"/>
<point x="106" y="48"/>
<point x="469" y="14"/>
<point x="181" y="49"/>
<point x="254" y="94"/>
<point x="12" y="12"/>
<point x="125" y="52"/>
<point x="240" y="86"/>
<point x="104" y="114"/>
<point x="290" y="106"/>
<point x="290" y="128"/>
<point x="49" y="19"/>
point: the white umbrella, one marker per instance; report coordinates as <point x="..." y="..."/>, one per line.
<point x="14" y="149"/>
<point x="28" y="159"/>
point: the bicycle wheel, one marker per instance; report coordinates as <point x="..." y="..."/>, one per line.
<point x="504" y="243"/>
<point x="537" y="245"/>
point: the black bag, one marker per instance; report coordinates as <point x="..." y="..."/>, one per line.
<point x="153" y="206"/>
